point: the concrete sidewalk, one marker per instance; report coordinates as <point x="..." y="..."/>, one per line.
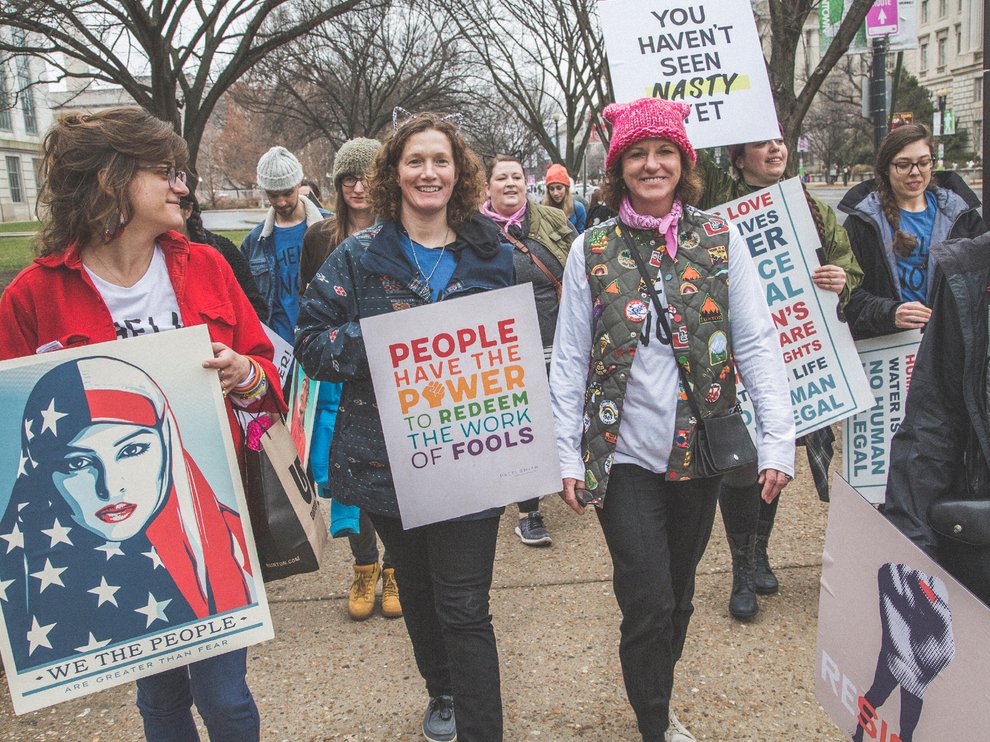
<point x="327" y="678"/>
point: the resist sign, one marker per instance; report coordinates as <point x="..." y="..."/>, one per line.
<point x="464" y="403"/>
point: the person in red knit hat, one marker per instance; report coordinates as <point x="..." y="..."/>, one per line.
<point x="559" y="196"/>
<point x="659" y="306"/>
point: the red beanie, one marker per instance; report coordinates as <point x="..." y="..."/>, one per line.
<point x="646" y="118"/>
<point x="557" y="173"/>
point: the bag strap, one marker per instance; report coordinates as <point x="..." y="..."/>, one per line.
<point x="661" y="318"/>
<point x="521" y="247"/>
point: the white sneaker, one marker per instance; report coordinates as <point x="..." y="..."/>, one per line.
<point x="676" y="732"/>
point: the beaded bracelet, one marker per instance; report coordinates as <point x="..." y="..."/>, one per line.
<point x="254" y="388"/>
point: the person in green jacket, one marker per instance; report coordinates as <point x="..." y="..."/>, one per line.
<point x="748" y="520"/>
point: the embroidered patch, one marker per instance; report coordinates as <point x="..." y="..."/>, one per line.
<point x="612" y="288"/>
<point x="603" y="342"/>
<point x="715" y="226"/>
<point x="718" y="348"/>
<point x="688" y="239"/>
<point x="672" y="313"/>
<point x="607" y="466"/>
<point x="626" y="260"/>
<point x="710" y="311"/>
<point x="608" y="412"/>
<point x="714" y="392"/>
<point x="718" y="254"/>
<point x="340" y="291"/>
<point x="611" y="437"/>
<point x="587" y="422"/>
<point x="681" y="439"/>
<point x="599" y="270"/>
<point x="688" y="288"/>
<point x="655" y="258"/>
<point x="680" y="339"/>
<point x="598" y="249"/>
<point x="636" y="310"/>
<point x="690" y="274"/>
<point x="681" y="394"/>
<point x="590" y="482"/>
<point x="603" y="371"/>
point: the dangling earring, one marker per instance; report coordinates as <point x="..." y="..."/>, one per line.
<point x="114" y="225"/>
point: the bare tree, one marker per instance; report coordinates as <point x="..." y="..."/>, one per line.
<point x="343" y="81"/>
<point x="542" y="57"/>
<point x="175" y="58"/>
<point x="787" y="21"/>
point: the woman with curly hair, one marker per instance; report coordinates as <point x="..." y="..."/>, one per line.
<point x="894" y="221"/>
<point x="431" y="245"/>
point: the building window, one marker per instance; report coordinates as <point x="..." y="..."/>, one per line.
<point x="14" y="179"/>
<point x="943" y="50"/>
<point x="27" y="95"/>
<point x="923" y="59"/>
<point x="924" y="11"/>
<point x="941" y="8"/>
<point x="977" y="89"/>
<point x="959" y="40"/>
<point x="6" y="124"/>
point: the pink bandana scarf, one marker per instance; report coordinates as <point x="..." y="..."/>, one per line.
<point x="667" y="226"/>
<point x="503" y="221"/>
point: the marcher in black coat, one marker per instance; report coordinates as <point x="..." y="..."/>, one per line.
<point x="942" y="447"/>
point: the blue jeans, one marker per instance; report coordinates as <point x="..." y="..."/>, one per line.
<point x="218" y="685"/>
<point x="444" y="573"/>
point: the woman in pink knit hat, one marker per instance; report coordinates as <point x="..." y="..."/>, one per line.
<point x="660" y="305"/>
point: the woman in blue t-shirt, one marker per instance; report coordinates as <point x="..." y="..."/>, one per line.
<point x="894" y="220"/>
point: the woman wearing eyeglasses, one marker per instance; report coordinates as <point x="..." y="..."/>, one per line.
<point x="352" y="214"/>
<point x="112" y="266"/>
<point x="894" y="220"/>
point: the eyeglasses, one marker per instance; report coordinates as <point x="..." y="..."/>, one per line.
<point x="168" y="172"/>
<point x="904" y="167"/>
<point x="349" y="181"/>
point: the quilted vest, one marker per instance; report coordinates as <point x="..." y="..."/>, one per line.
<point x="696" y="284"/>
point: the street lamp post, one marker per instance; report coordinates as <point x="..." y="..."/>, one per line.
<point x="942" y="95"/>
<point x="556" y="132"/>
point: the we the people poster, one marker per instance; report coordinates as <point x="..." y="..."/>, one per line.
<point x="125" y="547"/>
<point x="826" y="379"/>
<point x="705" y="54"/>
<point x="464" y="402"/>
<point x="901" y="651"/>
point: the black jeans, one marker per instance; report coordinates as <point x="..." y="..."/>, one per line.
<point x="444" y="573"/>
<point x="656" y="533"/>
<point x="364" y="545"/>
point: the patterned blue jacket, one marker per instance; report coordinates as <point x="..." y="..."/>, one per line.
<point x="369" y="274"/>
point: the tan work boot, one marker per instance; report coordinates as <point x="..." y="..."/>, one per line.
<point x="361" y="600"/>
<point x="391" y="607"/>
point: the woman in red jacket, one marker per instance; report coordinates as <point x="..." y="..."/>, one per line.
<point x="112" y="266"/>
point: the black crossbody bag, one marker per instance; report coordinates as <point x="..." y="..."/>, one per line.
<point x="723" y="443"/>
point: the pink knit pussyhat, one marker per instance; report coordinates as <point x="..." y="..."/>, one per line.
<point x="646" y="118"/>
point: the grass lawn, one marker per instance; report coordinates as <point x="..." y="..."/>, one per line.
<point x="15" y="253"/>
<point x="19" y="227"/>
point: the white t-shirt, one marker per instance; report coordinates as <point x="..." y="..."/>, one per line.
<point x="147" y="306"/>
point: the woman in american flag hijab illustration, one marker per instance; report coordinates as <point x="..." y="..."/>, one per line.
<point x="112" y="531"/>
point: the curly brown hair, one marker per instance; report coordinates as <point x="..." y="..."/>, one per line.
<point x="385" y="193"/>
<point x="88" y="162"/>
<point x="894" y="142"/>
<point x="688" y="190"/>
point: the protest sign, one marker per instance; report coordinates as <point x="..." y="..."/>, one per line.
<point x="464" y="402"/>
<point x="302" y="412"/>
<point x="826" y="379"/>
<point x="888" y="362"/>
<point x="125" y="548"/>
<point x="706" y="54"/>
<point x="900" y="642"/>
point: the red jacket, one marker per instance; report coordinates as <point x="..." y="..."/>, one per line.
<point x="54" y="299"/>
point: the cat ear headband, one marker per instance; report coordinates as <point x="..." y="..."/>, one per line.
<point x="401" y="116"/>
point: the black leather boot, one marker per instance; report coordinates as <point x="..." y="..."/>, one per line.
<point x="764" y="579"/>
<point x="742" y="601"/>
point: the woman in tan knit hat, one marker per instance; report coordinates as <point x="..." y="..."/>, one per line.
<point x="352" y="213"/>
